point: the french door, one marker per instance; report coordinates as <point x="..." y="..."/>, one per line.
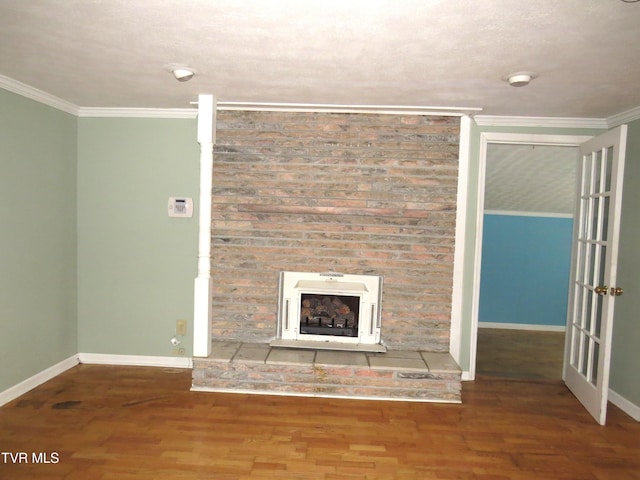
<point x="593" y="289"/>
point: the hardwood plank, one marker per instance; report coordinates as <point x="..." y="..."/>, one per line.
<point x="143" y="423"/>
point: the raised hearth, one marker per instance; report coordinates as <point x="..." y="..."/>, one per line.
<point x="418" y="376"/>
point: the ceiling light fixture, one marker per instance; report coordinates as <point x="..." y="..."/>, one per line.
<point x="520" y="79"/>
<point x="182" y="73"/>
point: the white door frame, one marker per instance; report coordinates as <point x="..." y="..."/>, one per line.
<point x="504" y="138"/>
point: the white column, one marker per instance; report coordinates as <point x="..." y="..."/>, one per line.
<point x="456" y="332"/>
<point x="203" y="284"/>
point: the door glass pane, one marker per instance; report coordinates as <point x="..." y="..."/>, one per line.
<point x="591" y="260"/>
<point x="595" y="213"/>
<point x="580" y="260"/>
<point x="594" y="362"/>
<point x="584" y="218"/>
<point x="575" y="348"/>
<point x="597" y="172"/>
<point x="588" y="310"/>
<point x="598" y="318"/>
<point x="607" y="169"/>
<point x="584" y="363"/>
<point x="605" y="217"/>
<point x="586" y="175"/>
<point x="579" y="301"/>
<point x="601" y="267"/>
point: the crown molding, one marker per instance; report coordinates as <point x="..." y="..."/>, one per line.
<point x="100" y="112"/>
<point x="551" y="122"/>
<point x="32" y="93"/>
<point x="329" y="108"/>
<point x="623" y="117"/>
<point x="45" y="98"/>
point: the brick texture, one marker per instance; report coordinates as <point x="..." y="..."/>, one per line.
<point x="353" y="193"/>
<point x="353" y="382"/>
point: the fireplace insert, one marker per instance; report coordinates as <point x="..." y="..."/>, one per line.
<point x="337" y="308"/>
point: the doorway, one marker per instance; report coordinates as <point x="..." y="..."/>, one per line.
<point x="520" y="185"/>
<point x="529" y="203"/>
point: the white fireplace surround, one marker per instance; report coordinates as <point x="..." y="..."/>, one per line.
<point x="366" y="289"/>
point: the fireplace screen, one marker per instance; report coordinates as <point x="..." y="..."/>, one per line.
<point x="328" y="308"/>
<point x="329" y="315"/>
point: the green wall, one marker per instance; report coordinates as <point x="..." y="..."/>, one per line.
<point x="38" y="240"/>
<point x="625" y="356"/>
<point x="136" y="266"/>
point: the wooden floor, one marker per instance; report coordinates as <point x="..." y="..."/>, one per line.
<point x="103" y="422"/>
<point x="520" y="354"/>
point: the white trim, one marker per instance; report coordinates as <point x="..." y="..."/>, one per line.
<point x="534" y="139"/>
<point x="467" y="376"/>
<point x="528" y="214"/>
<point x="135" y="360"/>
<point x="137" y="112"/>
<point x="455" y="333"/>
<point x="38" y="379"/>
<point x="522" y="326"/>
<point x="623" y="117"/>
<point x="329" y="108"/>
<point x="485" y="139"/>
<point x="45" y="98"/>
<point x="272" y="107"/>
<point x="203" y="283"/>
<point x="552" y="122"/>
<point x="625" y="405"/>
<point x="280" y="393"/>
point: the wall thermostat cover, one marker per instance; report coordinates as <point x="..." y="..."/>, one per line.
<point x="180" y="207"/>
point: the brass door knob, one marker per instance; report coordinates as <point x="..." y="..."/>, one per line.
<point x="616" y="292"/>
<point x="601" y="290"/>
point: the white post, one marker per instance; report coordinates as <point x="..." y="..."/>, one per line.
<point x="203" y="284"/>
<point x="455" y="334"/>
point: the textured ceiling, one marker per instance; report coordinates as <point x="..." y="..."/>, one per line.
<point x="533" y="179"/>
<point x="446" y="53"/>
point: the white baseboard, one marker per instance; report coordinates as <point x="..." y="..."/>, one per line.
<point x="135" y="360"/>
<point x="91" y="358"/>
<point x="38" y="379"/>
<point x="523" y="326"/>
<point x="625" y="405"/>
<point x="467" y="376"/>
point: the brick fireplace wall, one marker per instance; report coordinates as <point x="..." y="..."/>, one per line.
<point x="352" y="193"/>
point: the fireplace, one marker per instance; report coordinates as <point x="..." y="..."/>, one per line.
<point x="329" y="311"/>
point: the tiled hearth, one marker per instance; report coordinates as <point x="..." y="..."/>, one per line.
<point x="409" y="375"/>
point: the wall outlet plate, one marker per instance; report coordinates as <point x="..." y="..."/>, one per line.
<point x="181" y="327"/>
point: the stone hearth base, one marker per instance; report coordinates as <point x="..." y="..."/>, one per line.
<point x="417" y="376"/>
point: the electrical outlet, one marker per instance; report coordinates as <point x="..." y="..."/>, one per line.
<point x="178" y="351"/>
<point x="181" y="327"/>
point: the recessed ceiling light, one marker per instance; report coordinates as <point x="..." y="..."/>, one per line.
<point x="520" y="79"/>
<point x="182" y="73"/>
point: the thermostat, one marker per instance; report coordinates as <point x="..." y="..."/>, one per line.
<point x="180" y="207"/>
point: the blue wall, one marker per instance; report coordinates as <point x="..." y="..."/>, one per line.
<point x="525" y="269"/>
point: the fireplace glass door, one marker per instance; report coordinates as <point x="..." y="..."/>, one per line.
<point x="322" y="314"/>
